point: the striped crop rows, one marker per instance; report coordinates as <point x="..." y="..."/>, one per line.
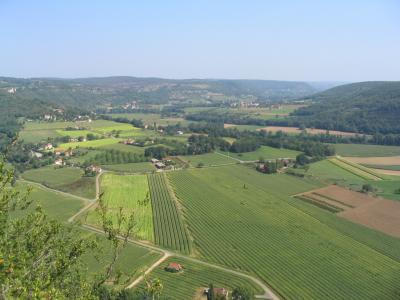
<point x="196" y="277"/>
<point x="257" y="230"/>
<point x="169" y="227"/>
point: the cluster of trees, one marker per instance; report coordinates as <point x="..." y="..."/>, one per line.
<point x="197" y="144"/>
<point x="108" y="157"/>
<point x="246" y="141"/>
<point x="134" y="122"/>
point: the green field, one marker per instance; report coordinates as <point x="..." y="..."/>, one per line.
<point x="81" y="155"/>
<point x="116" y="127"/>
<point x="143" y="167"/>
<point x="208" y="159"/>
<point x="356" y="169"/>
<point x="150" y="119"/>
<point x="75" y="133"/>
<point x="383" y="167"/>
<point x="247" y="127"/>
<point x="264" y="152"/>
<point x="133" y="259"/>
<point x="183" y="285"/>
<point x="37" y="136"/>
<point x="129" y="192"/>
<point x="124" y="148"/>
<point x="326" y="171"/>
<point x="132" y="262"/>
<point x="65" y="179"/>
<point x="247" y="220"/>
<point x="58" y="207"/>
<point x="39" y="132"/>
<point x="88" y="144"/>
<point x="366" y="150"/>
<point x="389" y="189"/>
<point x="169" y="227"/>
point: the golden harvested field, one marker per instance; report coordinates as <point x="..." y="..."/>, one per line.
<point x="380" y="160"/>
<point x="309" y="130"/>
<point x="376" y="213"/>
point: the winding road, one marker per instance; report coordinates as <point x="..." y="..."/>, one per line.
<point x="268" y="293"/>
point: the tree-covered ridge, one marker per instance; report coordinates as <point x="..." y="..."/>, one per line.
<point x="87" y="92"/>
<point x="365" y="107"/>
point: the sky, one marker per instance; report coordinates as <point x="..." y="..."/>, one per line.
<point x="280" y="40"/>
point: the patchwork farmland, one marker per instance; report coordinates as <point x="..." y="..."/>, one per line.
<point x="215" y="214"/>
<point x="243" y="195"/>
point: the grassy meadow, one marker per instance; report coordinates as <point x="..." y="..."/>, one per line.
<point x="366" y="150"/>
<point x="65" y="179"/>
<point x="57" y="206"/>
<point x="143" y="167"/>
<point x="264" y="152"/>
<point x="131" y="192"/>
<point x="208" y="159"/>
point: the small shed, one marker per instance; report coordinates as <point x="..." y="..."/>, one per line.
<point x="174" y="267"/>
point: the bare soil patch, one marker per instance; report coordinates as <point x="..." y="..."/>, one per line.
<point x="384" y="161"/>
<point x="309" y="130"/>
<point x="376" y="213"/>
<point x="226" y="125"/>
<point x="382" y="215"/>
<point x="346" y="196"/>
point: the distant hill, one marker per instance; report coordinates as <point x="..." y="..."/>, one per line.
<point x="89" y="92"/>
<point x="365" y="107"/>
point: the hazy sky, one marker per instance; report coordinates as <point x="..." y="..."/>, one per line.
<point x="287" y="40"/>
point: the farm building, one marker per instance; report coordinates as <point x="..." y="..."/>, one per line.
<point x="59" y="162"/>
<point x="174" y="267"/>
<point x="36" y="154"/>
<point x="48" y="146"/>
<point x="128" y="142"/>
<point x="93" y="168"/>
<point x="221" y="292"/>
<point x="159" y="165"/>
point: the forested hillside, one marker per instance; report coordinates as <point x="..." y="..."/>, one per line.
<point x="87" y="92"/>
<point x="365" y="107"/>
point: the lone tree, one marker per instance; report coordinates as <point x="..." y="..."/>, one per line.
<point x="367" y="188"/>
<point x="242" y="293"/>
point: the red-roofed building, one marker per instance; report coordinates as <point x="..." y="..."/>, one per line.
<point x="174" y="267"/>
